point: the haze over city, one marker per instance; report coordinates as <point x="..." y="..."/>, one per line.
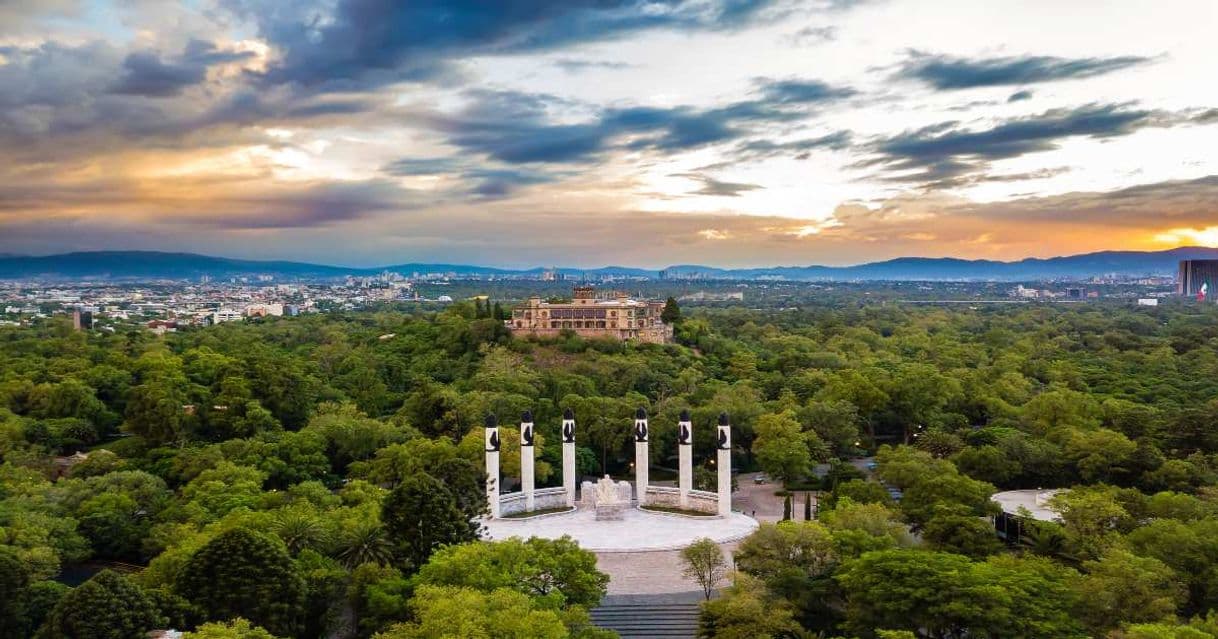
<point x="588" y="133"/>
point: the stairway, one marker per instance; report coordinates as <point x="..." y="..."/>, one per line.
<point x="641" y="617"/>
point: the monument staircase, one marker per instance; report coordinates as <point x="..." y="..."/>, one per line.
<point x="650" y="616"/>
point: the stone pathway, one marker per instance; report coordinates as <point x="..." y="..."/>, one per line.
<point x="649" y="573"/>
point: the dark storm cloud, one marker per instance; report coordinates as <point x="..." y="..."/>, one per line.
<point x="943" y="152"/>
<point x="947" y="72"/>
<point x="363" y="43"/>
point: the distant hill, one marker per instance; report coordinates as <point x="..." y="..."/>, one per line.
<point x="145" y="265"/>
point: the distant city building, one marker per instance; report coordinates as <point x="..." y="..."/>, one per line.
<point x="225" y="315"/>
<point x="703" y="296"/>
<point x="1197" y="278"/>
<point x="263" y="310"/>
<point x="1074" y="293"/>
<point x="82" y="320"/>
<point x="1148" y="301"/>
<point x="591" y="315"/>
<point x="160" y="327"/>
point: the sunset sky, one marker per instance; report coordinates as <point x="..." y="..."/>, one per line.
<point x="593" y="132"/>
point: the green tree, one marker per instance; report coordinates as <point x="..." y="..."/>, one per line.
<point x="421" y="515"/>
<point x="14" y="578"/>
<point x="942" y="595"/>
<point x="1092" y="518"/>
<point x="1122" y="588"/>
<point x="241" y="573"/>
<point x="552" y="569"/>
<point x="671" y="314"/>
<point x="107" y="606"/>
<point x="955" y="529"/>
<point x="446" y="612"/>
<point x="703" y="562"/>
<point x="781" y="447"/>
<point x="233" y="629"/>
<point x="795" y="560"/>
<point x="747" y="610"/>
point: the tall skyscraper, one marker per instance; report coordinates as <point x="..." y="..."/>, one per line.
<point x="1197" y="278"/>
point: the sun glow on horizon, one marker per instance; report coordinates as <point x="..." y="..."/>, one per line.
<point x="1207" y="236"/>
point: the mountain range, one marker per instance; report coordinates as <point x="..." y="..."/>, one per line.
<point x="147" y="265"/>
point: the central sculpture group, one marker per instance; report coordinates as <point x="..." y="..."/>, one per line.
<point x="609" y="498"/>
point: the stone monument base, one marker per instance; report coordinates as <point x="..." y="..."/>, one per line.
<point x="610" y="512"/>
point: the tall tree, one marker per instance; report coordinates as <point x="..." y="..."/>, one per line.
<point x="241" y="573"/>
<point x="421" y="515"/>
<point x="556" y="569"/>
<point x="703" y="562"/>
<point x="671" y="313"/>
<point x="107" y="606"/>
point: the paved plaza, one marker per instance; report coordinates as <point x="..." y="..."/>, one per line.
<point x="637" y="531"/>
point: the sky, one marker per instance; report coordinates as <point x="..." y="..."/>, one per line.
<point x="585" y="133"/>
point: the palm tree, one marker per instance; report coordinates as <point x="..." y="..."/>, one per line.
<point x="298" y="530"/>
<point x="365" y="543"/>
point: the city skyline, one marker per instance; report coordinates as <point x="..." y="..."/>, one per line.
<point x="729" y="133"/>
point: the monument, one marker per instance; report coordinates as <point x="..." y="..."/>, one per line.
<point x="685" y="458"/>
<point x="641" y="457"/>
<point x="725" y="466"/>
<point x="492" y="464"/>
<point x="526" y="460"/>
<point x="568" y="455"/>
<point x="609" y="499"/>
<point x="613" y="516"/>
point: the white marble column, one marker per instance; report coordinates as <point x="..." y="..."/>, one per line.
<point x="641" y="460"/>
<point x="724" y="462"/>
<point x="685" y="458"/>
<point x="492" y="465"/>
<point x="568" y="455"/>
<point x="526" y="459"/>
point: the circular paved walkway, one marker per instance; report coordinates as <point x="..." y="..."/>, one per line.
<point x="638" y="531"/>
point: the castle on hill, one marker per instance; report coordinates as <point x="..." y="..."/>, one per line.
<point x="590" y="314"/>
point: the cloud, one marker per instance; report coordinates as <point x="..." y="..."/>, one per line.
<point x="205" y="202"/>
<point x="575" y="65"/>
<point x="801" y="91"/>
<point x="16" y="15"/>
<point x="1020" y="96"/>
<point x="147" y="75"/>
<point x="835" y="141"/>
<point x="481" y="181"/>
<point x="365" y="43"/>
<point x="809" y="36"/>
<point x="515" y="127"/>
<point x="713" y="187"/>
<point x="947" y="72"/>
<point x="940" y="154"/>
